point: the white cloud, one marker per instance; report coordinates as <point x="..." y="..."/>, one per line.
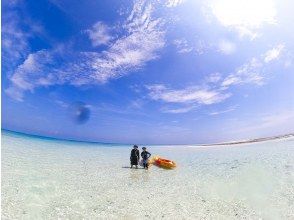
<point x="137" y="104"/>
<point x="223" y="46"/>
<point x="182" y="46"/>
<point x="15" y="93"/>
<point x="99" y="34"/>
<point x="14" y="39"/>
<point x="14" y="42"/>
<point x="214" y="78"/>
<point x="250" y="72"/>
<point x="16" y="32"/>
<point x="226" y="47"/>
<point x="274" y="53"/>
<point x="34" y="71"/>
<point x="198" y="46"/>
<point x="144" y="38"/>
<point x="244" y="16"/>
<point x="215" y="88"/>
<point x="253" y="71"/>
<point x="62" y="103"/>
<point x="233" y="108"/>
<point x="196" y="95"/>
<point x="179" y="110"/>
<point x="173" y="3"/>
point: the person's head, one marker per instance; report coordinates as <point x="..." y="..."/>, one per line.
<point x="135" y="147"/>
<point x="144" y="148"/>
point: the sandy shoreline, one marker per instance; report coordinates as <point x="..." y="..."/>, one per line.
<point x="256" y="140"/>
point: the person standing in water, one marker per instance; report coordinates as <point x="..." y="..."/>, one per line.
<point x="145" y="156"/>
<point x="135" y="156"/>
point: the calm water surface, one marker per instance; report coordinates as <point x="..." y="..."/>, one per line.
<point x="49" y="179"/>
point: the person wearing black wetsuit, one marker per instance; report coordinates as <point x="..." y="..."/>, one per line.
<point x="135" y="156"/>
<point x="145" y="156"/>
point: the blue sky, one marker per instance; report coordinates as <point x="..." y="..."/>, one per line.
<point x="173" y="71"/>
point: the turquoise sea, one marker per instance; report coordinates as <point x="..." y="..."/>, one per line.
<point x="51" y="179"/>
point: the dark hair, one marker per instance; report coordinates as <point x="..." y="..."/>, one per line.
<point x="135" y="146"/>
<point x="144" y="148"/>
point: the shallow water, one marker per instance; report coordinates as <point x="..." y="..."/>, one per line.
<point x="49" y="179"/>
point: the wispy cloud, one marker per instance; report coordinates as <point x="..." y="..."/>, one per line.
<point x="182" y="45"/>
<point x="199" y="47"/>
<point x="14" y="40"/>
<point x="274" y="53"/>
<point x="287" y="57"/>
<point x="213" y="78"/>
<point x="253" y="71"/>
<point x="196" y="95"/>
<point x="179" y="110"/>
<point x="33" y="72"/>
<point x="248" y="73"/>
<point x="143" y="39"/>
<point x="62" y="104"/>
<point x="216" y="87"/>
<point x="226" y="47"/>
<point x="16" y="34"/>
<point x="137" y="104"/>
<point x="99" y="34"/>
<point x="232" y="108"/>
<point x="15" y="93"/>
<point x="35" y="63"/>
<point x="173" y="3"/>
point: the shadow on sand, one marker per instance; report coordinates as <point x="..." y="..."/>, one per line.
<point x="128" y="167"/>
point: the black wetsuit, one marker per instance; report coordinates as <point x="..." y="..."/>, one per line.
<point x="145" y="155"/>
<point x="135" y="155"/>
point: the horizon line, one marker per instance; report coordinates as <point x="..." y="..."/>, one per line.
<point x="109" y="143"/>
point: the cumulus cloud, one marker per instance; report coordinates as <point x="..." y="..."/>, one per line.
<point x="143" y="39"/>
<point x="244" y="16"/>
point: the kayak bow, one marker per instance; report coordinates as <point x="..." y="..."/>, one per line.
<point x="164" y="163"/>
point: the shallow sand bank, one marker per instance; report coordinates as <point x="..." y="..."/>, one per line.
<point x="44" y="179"/>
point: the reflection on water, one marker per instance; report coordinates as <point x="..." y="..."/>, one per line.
<point x="50" y="179"/>
<point x="139" y="176"/>
<point x="135" y="175"/>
